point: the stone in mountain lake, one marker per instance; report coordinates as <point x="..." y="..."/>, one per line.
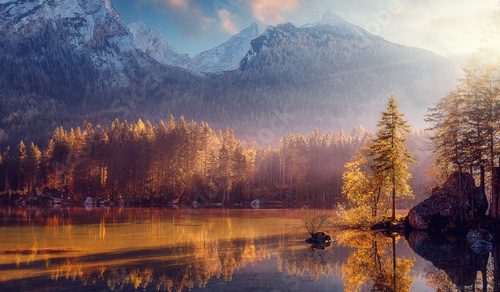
<point x="458" y="201"/>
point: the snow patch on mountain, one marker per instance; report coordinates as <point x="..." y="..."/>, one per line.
<point x="154" y="44"/>
<point x="92" y="27"/>
<point x="226" y="56"/>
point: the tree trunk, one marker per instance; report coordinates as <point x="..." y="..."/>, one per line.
<point x="496" y="268"/>
<point x="494" y="177"/>
<point x="485" y="279"/>
<point x="376" y="201"/>
<point x="482" y="177"/>
<point x="6" y="186"/>
<point x="394" y="263"/>
<point x="393" y="197"/>
<point x="495" y="192"/>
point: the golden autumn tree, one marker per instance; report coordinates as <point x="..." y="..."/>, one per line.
<point x="32" y="166"/>
<point x="391" y="158"/>
<point x="365" y="192"/>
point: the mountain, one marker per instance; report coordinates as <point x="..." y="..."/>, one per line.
<point x="226" y="56"/>
<point x="154" y="44"/>
<point x="91" y="28"/>
<point x="333" y="72"/>
<point x="333" y="22"/>
<point x="68" y="61"/>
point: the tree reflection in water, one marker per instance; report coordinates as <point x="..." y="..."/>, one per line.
<point x="374" y="264"/>
<point x="165" y="250"/>
<point x="313" y="262"/>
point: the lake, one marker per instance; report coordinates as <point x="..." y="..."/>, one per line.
<point x="73" y="249"/>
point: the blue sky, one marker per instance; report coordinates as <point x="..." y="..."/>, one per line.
<point x="450" y="28"/>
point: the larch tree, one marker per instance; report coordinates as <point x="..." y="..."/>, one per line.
<point x="448" y="124"/>
<point x="32" y="165"/>
<point x="465" y="127"/>
<point x="6" y="158"/>
<point x="21" y="158"/>
<point x="364" y="190"/>
<point x="483" y="107"/>
<point x="391" y="157"/>
<point x="180" y="161"/>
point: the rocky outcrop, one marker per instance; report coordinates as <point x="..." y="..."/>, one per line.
<point x="456" y="202"/>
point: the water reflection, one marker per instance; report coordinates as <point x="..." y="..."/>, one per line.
<point x="374" y="263"/>
<point x="454" y="264"/>
<point x="214" y="250"/>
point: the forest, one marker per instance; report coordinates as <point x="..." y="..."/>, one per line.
<point x="464" y="137"/>
<point x="177" y="160"/>
<point x="180" y="160"/>
<point x="189" y="163"/>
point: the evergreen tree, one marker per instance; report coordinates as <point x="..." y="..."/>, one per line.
<point x="32" y="166"/>
<point x="390" y="155"/>
<point x="183" y="160"/>
<point x="465" y="123"/>
<point x="7" y="160"/>
<point x="21" y="159"/>
<point x="449" y="125"/>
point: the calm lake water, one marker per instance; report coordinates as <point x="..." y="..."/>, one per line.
<point x="220" y="250"/>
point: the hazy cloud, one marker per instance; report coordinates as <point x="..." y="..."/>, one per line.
<point x="272" y="11"/>
<point x="226" y="21"/>
<point x="187" y="13"/>
<point x="178" y="3"/>
<point x="451" y="28"/>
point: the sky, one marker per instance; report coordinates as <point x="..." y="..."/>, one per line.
<point x="451" y="28"/>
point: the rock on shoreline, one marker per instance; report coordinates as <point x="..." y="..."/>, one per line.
<point x="458" y="201"/>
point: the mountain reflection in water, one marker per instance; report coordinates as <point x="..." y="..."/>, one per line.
<point x="221" y="250"/>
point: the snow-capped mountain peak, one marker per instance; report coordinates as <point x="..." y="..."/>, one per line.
<point x="154" y="44"/>
<point x="91" y="29"/>
<point x="251" y="31"/>
<point x="334" y="23"/>
<point x="333" y="19"/>
<point x="226" y="56"/>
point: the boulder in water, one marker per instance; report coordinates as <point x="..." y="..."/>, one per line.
<point x="255" y="204"/>
<point x="480" y="241"/>
<point x="89" y="202"/>
<point x="319" y="238"/>
<point x="457" y="201"/>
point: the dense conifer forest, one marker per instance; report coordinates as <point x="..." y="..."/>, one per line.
<point x="177" y="160"/>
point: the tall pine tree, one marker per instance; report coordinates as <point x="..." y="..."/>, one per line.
<point x="22" y="157"/>
<point x="390" y="156"/>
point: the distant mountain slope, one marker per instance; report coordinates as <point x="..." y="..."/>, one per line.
<point x="69" y="61"/>
<point x="333" y="71"/>
<point x="91" y="28"/>
<point x="154" y="44"/>
<point x="226" y="56"/>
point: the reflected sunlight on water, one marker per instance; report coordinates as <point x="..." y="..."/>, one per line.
<point x="173" y="250"/>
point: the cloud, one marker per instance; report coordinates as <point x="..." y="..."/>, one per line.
<point x="178" y="3"/>
<point x="449" y="32"/>
<point x="226" y="21"/>
<point x="187" y="13"/>
<point x="271" y="11"/>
